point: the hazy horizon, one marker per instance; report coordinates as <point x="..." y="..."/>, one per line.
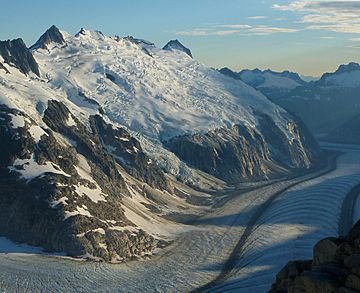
<point x="308" y="37"/>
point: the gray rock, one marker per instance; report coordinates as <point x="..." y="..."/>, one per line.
<point x="30" y="210"/>
<point x="15" y="53"/>
<point x="336" y="268"/>
<point x="242" y="153"/>
<point x="325" y="251"/>
<point x="52" y="35"/>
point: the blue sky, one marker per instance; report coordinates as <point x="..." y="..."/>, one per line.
<point x="307" y="36"/>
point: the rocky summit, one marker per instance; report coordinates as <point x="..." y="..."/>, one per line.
<point x="52" y="35"/>
<point x="15" y="53"/>
<point x="335" y="267"/>
<point x="176" y="45"/>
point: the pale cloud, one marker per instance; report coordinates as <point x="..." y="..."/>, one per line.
<point x="355" y="40"/>
<point x="266" y="30"/>
<point x="257" y="17"/>
<point x="232" y="29"/>
<point x="327" y="38"/>
<point x="235" y="26"/>
<point x="337" y="16"/>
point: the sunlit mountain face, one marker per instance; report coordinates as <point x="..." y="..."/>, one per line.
<point x="168" y="147"/>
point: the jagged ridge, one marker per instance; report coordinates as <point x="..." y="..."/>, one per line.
<point x="52" y="35"/>
<point x="15" y="53"/>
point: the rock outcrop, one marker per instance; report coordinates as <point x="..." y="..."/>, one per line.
<point x="15" y="53"/>
<point x="128" y="152"/>
<point x="242" y="153"/>
<point x="61" y="190"/>
<point x="335" y="268"/>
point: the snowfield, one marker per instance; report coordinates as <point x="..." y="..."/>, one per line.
<point x="269" y="80"/>
<point x="287" y="229"/>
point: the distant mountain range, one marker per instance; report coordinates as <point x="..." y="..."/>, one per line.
<point x="324" y="104"/>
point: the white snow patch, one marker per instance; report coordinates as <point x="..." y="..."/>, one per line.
<point x="31" y="169"/>
<point x="122" y="138"/>
<point x="62" y="201"/>
<point x="84" y="170"/>
<point x="79" y="211"/>
<point x="37" y="132"/>
<point x="70" y="122"/>
<point x="17" y="121"/>
<point x="102" y="245"/>
<point x="99" y="230"/>
<point x="125" y="228"/>
<point x="95" y="195"/>
<point x="136" y="150"/>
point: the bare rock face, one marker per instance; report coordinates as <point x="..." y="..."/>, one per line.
<point x="242" y="153"/>
<point x="287" y="275"/>
<point x="52" y="35"/>
<point x="325" y="251"/>
<point x="44" y="174"/>
<point x="335" y="268"/>
<point x="15" y="53"/>
<point x="229" y="154"/>
<point x="128" y="152"/>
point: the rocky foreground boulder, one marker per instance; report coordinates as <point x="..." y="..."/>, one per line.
<point x="335" y="268"/>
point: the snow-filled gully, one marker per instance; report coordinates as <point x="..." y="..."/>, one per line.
<point x="284" y="225"/>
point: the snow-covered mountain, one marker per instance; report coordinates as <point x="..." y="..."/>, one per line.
<point x="324" y="104"/>
<point x="176" y="45"/>
<point x="346" y="76"/>
<point x="99" y="135"/>
<point x="267" y="81"/>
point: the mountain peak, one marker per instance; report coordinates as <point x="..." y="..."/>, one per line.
<point x="176" y="45"/>
<point x="338" y="78"/>
<point x="352" y="66"/>
<point x="286" y="74"/>
<point x="52" y="35"/>
<point x="138" y="41"/>
<point x="15" y="53"/>
<point x="90" y="34"/>
<point x="227" y="71"/>
<point x="81" y="32"/>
